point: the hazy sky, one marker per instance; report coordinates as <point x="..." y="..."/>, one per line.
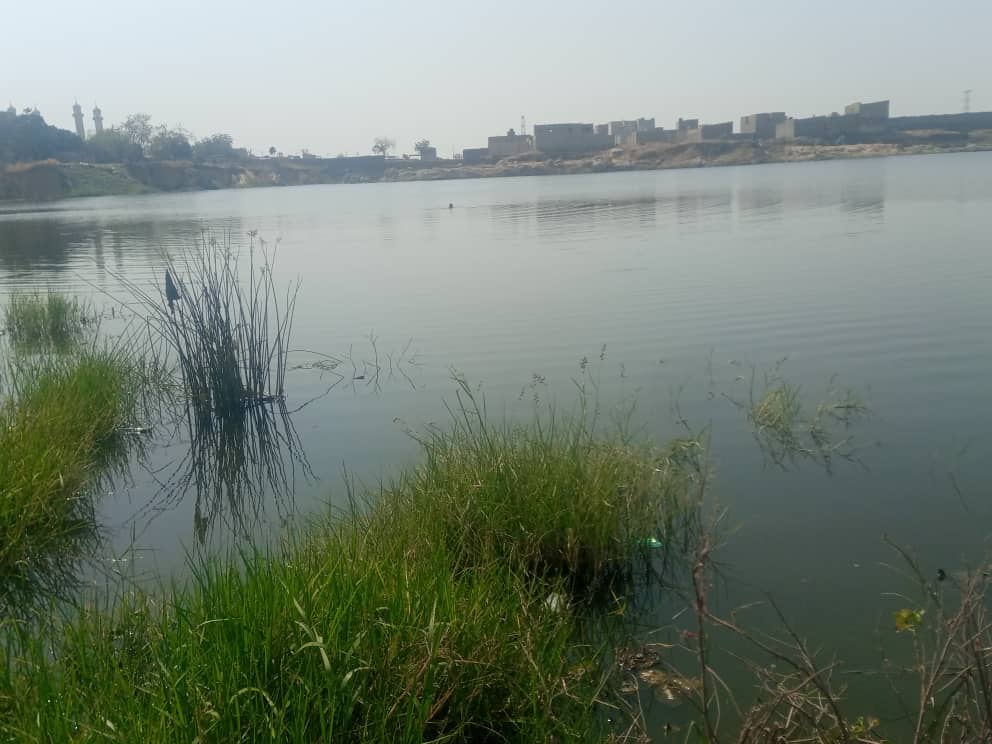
<point x="331" y="76"/>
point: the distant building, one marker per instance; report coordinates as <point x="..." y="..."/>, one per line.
<point x="859" y="121"/>
<point x="475" y="155"/>
<point x="509" y="145"/>
<point x="428" y="153"/>
<point x="77" y="115"/>
<point x="875" y="110"/>
<point x="97" y="120"/>
<point x="762" y="126"/>
<point x="684" y="125"/>
<point x="570" y="138"/>
<point x="708" y="132"/>
<point x="819" y="127"/>
<point x="648" y="136"/>
<point x="621" y="130"/>
<point x="944" y="122"/>
<point x="658" y="134"/>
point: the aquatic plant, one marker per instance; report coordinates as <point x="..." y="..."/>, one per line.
<point x="437" y="611"/>
<point x="234" y="467"/>
<point x="60" y="427"/>
<point x="556" y="498"/>
<point x="226" y="324"/>
<point x="788" y="430"/>
<point x="51" y="321"/>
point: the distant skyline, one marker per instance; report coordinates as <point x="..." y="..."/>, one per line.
<point x="330" y="77"/>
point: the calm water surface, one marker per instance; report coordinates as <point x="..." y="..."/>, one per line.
<point x="876" y="271"/>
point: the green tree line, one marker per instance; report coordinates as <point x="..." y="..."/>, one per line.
<point x="26" y="137"/>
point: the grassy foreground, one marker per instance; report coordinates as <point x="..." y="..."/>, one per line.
<point x="57" y="428"/>
<point x="437" y="611"/>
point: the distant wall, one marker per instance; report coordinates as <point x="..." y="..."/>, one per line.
<point x="874" y="110"/>
<point x="475" y="155"/>
<point x="570" y="138"/>
<point x="818" y="127"/>
<point x="656" y="135"/>
<point x="708" y="132"/>
<point x="948" y="122"/>
<point x="763" y="125"/>
<point x="624" y="127"/>
<point x="362" y="166"/>
<point x="510" y="145"/>
<point x="647" y="137"/>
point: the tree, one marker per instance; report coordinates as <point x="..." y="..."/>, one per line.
<point x="218" y="147"/>
<point x="170" y="144"/>
<point x="26" y="138"/>
<point x="112" y="146"/>
<point x="383" y="145"/>
<point x="272" y="151"/>
<point x="421" y="145"/>
<point x="137" y="128"/>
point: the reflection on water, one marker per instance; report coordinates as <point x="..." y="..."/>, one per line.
<point x="34" y="244"/>
<point x="234" y="468"/>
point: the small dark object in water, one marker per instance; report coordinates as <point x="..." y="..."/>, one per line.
<point x="941" y="574"/>
<point x="171" y="290"/>
<point x="451" y="205"/>
<point x="359" y="377"/>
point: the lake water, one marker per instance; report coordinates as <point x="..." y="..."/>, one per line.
<point x="873" y="273"/>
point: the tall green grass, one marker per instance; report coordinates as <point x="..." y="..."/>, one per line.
<point x="58" y="428"/>
<point x="438" y="611"/>
<point x="52" y="321"/>
<point x="556" y="497"/>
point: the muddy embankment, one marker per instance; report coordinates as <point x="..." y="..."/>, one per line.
<point x="685" y="155"/>
<point x="52" y="180"/>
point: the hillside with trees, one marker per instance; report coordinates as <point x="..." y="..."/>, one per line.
<point x="26" y="137"/>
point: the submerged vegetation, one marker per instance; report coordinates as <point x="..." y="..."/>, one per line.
<point x="52" y="321"/>
<point x="787" y="430"/>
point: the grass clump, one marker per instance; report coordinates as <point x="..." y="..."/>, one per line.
<point x="52" y="321"/>
<point x="226" y="325"/>
<point x="554" y="498"/>
<point x="58" y="427"/>
<point x="423" y="616"/>
<point x="788" y="429"/>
